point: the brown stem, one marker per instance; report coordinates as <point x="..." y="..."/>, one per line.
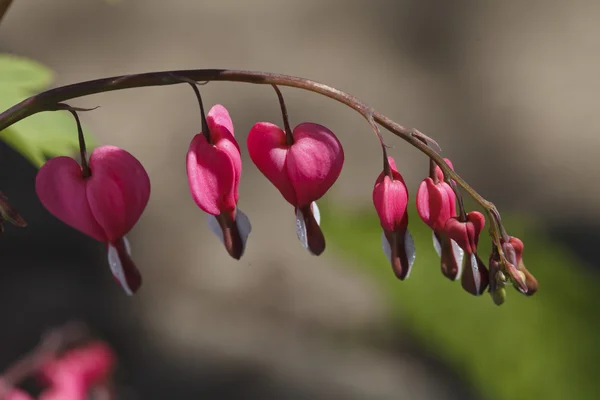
<point x="4" y="5"/>
<point x="194" y="85"/>
<point x="47" y="100"/>
<point x="289" y="137"/>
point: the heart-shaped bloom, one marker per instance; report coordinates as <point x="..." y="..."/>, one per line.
<point x="436" y="203"/>
<point x="105" y="205"/>
<point x="302" y="171"/>
<point x="74" y="374"/>
<point x="475" y="277"/>
<point x="390" y="198"/>
<point x="214" y="167"/>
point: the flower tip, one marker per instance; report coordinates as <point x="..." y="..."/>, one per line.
<point x="308" y="229"/>
<point x="232" y="232"/>
<point x="475" y="277"/>
<point x="122" y="266"/>
<point x="399" y="248"/>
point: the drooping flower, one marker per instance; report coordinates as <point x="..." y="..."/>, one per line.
<point x="302" y="167"/>
<point x="73" y="375"/>
<point x="390" y="198"/>
<point x="523" y="280"/>
<point x="105" y="205"/>
<point x="436" y="203"/>
<point x="214" y="167"/>
<point x="475" y="277"/>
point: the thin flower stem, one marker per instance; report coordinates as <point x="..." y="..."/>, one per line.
<point x="289" y="137"/>
<point x="47" y="101"/>
<point x="194" y="85"/>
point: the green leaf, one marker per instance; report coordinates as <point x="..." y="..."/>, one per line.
<point x="40" y="136"/>
<point x="22" y="73"/>
<point x="540" y="347"/>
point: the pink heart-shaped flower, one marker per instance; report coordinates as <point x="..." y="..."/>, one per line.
<point x="304" y="171"/>
<point x="105" y="205"/>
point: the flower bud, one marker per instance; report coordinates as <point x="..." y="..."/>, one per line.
<point x="475" y="277"/>
<point x="390" y="198"/>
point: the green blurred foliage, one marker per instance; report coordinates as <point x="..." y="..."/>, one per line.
<point x="42" y="135"/>
<point x="540" y="347"/>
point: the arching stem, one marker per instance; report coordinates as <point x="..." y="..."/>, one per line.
<point x="47" y="101"/>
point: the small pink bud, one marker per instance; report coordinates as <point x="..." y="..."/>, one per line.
<point x="105" y="205"/>
<point x="214" y="170"/>
<point x="303" y="171"/>
<point x="390" y="198"/>
<point x="475" y="277"/>
<point x="524" y="281"/>
<point x="436" y="203"/>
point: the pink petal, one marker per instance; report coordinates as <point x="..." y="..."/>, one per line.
<point x="16" y="394"/>
<point x="268" y="151"/>
<point x="211" y="176"/>
<point x="391" y="199"/>
<point x="117" y="191"/>
<point x="221" y="131"/>
<point x="61" y="188"/>
<point x="314" y="162"/>
<point x="438" y="170"/>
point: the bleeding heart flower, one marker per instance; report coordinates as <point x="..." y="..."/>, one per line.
<point x="214" y="167"/>
<point x="390" y="198"/>
<point x="475" y="277"/>
<point x="436" y="203"/>
<point x="16" y="394"/>
<point x="73" y="375"/>
<point x="302" y="166"/>
<point x="105" y="205"/>
<point x="523" y="280"/>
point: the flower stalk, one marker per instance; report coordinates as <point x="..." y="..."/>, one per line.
<point x="48" y="101"/>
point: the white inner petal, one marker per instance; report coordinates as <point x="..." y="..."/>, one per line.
<point x="476" y="276"/>
<point x="411" y="251"/>
<point x="301" y="228"/>
<point x="214" y="227"/>
<point x="387" y="250"/>
<point x="117" y="268"/>
<point x="459" y="255"/>
<point x="436" y="244"/>
<point x="316" y="212"/>
<point x="127" y="246"/>
<point x="243" y="225"/>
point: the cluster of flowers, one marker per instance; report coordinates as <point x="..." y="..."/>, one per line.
<point x="302" y="164"/>
<point x="70" y="376"/>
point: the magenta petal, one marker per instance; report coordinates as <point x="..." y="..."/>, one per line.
<point x="268" y="150"/>
<point x="211" y="176"/>
<point x="117" y="191"/>
<point x="221" y="132"/>
<point x="314" y="162"/>
<point x="391" y="199"/>
<point x="61" y="188"/>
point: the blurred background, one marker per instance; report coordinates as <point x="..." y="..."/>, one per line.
<point x="509" y="89"/>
